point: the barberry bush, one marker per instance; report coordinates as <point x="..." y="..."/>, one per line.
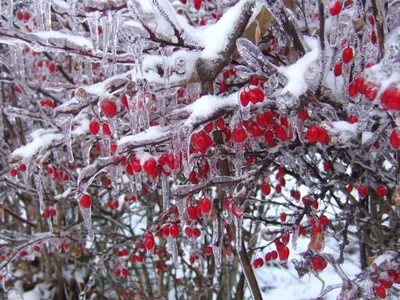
<point x="171" y="149"/>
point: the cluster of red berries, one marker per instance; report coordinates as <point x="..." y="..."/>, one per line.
<point x="316" y="133"/>
<point x="113" y="205"/>
<point x="254" y="96"/>
<point x="385" y="281"/>
<point x="23" y="16"/>
<point x="14" y="171"/>
<point x="50" y="66"/>
<point x="119" y="271"/>
<point x="48" y="103"/>
<point x="57" y="174"/>
<point x="49" y="212"/>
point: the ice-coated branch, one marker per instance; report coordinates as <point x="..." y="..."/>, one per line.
<point x="215" y="57"/>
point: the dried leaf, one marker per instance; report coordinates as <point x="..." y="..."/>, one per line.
<point x="396" y="196"/>
<point x="317" y="242"/>
<point x="257" y="33"/>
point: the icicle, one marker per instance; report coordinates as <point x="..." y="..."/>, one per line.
<point x="65" y="122"/>
<point x="10" y="13"/>
<point x="164" y="186"/>
<point x="93" y="20"/>
<point x="87" y="219"/>
<point x="115" y="175"/>
<point x="106" y="26"/>
<point x="173" y="249"/>
<point x="72" y="15"/>
<point x="239" y="229"/>
<point x="239" y="158"/>
<point x="181" y="205"/>
<point x="114" y="38"/>
<point x="86" y="146"/>
<point x="38" y="12"/>
<point x="1" y="121"/>
<point x="39" y="188"/>
<point x="216" y="242"/>
<point x="50" y="224"/>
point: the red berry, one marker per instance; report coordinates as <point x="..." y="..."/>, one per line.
<point x="208" y="250"/>
<point x="205" y="205"/>
<point x="22" y="167"/>
<point x="20" y="15"/>
<point x="380" y="291"/>
<point x="303" y="114"/>
<point x="27" y="16"/>
<point x="335" y="8"/>
<point x="244" y="98"/>
<point x="387" y="284"/>
<point x="209" y="127"/>
<point x="327" y="166"/>
<point x="280" y="133"/>
<point x="239" y="135"/>
<point x="352" y="119"/>
<point x="149" y="166"/>
<point x="125" y="272"/>
<point x="266" y="189"/>
<point x="117" y="272"/>
<point x="46" y="213"/>
<point x="390" y="98"/>
<point x="17" y="89"/>
<point x="371" y="91"/>
<point x="106" y="129"/>
<point x="323" y="136"/>
<point x="165" y="230"/>
<point x="197" y="4"/>
<point x="371" y="20"/>
<point x="394" y="139"/>
<point x="362" y="191"/>
<point x="337" y="70"/>
<point x="374" y="39"/>
<point x="109" y="108"/>
<point x="283" y="217"/>
<point x="86" y="201"/>
<point x="174" y="230"/>
<point x="124" y="101"/>
<point x="324" y="221"/>
<point x="359" y="82"/>
<point x="149" y="241"/>
<point x="223" y="87"/>
<point x="192" y="212"/>
<point x="312" y="134"/>
<point x="94" y="127"/>
<point x="283" y="253"/>
<point x="36" y="248"/>
<point x="352" y="90"/>
<point x="347" y="54"/>
<point x="254" y="80"/>
<point x="381" y="191"/>
<point x="316" y="263"/>
<point x="220" y="123"/>
<point x="13" y="172"/>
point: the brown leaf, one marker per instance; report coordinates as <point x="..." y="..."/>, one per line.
<point x="396" y="196"/>
<point x="317" y="242"/>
